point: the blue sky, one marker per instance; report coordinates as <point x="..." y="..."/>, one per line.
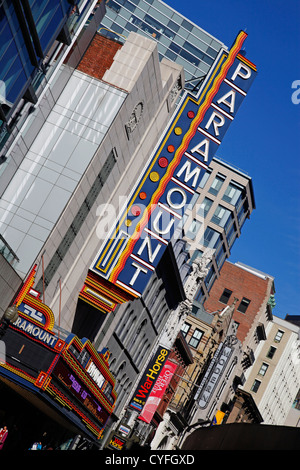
<point x="264" y="139"/>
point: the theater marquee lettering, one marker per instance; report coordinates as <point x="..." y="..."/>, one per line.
<point x="95" y="374"/>
<point x="36" y="332"/>
<point x="131" y="252"/>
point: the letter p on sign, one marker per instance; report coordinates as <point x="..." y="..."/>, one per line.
<point x="2" y="352"/>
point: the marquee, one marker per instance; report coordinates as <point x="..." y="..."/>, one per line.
<point x="66" y="371"/>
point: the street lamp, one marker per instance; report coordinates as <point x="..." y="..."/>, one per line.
<point x="10" y="316"/>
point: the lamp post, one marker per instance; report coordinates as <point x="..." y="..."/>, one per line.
<point x="10" y="316"/>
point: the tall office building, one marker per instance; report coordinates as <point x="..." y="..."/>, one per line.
<point x="223" y="201"/>
<point x="36" y="38"/>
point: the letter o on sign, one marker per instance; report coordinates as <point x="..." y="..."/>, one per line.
<point x="176" y="205"/>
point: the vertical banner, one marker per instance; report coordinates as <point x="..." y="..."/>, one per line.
<point x="213" y="375"/>
<point x="149" y="378"/>
<point x="158" y="391"/>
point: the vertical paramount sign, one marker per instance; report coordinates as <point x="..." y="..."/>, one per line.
<point x="136" y="243"/>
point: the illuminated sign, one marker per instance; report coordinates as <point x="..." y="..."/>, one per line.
<point x="68" y="372"/>
<point x="117" y="443"/>
<point x="136" y="243"/>
<point x="36" y="320"/>
<point x="27" y="285"/>
<point x="158" y="391"/>
<point x="79" y="390"/>
<point x="92" y="384"/>
<point x="149" y="378"/>
<point x="36" y="332"/>
<point x="95" y="373"/>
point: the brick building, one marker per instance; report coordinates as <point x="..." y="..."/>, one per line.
<point x="254" y="291"/>
<point x="98" y="47"/>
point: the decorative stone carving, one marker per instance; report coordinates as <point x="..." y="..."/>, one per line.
<point x="134" y="118"/>
<point x="175" y="90"/>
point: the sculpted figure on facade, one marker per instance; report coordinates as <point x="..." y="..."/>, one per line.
<point x="222" y="322"/>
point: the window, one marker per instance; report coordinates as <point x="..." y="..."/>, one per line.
<point x="220" y="256"/>
<point x="225" y="296"/>
<point x="193" y="229"/>
<point x="200" y="296"/>
<point x="113" y="6"/>
<point x="195" y="339"/>
<point x="173" y="26"/>
<point x="144" y="26"/>
<point x="271" y="352"/>
<point x="137" y="335"/>
<point x="231" y="235"/>
<point x="232" y="194"/>
<point x="159" y="26"/>
<point x="204" y="207"/>
<point x="210" y="277"/>
<point x="255" y="386"/>
<point x="242" y="213"/>
<point x="216" y="185"/>
<point x="183" y="53"/>
<point x="221" y="216"/>
<point x="204" y="179"/>
<point x="185" y="328"/>
<point x="194" y="200"/>
<point x="210" y="237"/>
<point x="263" y="369"/>
<point x="187" y="25"/>
<point x="243" y="305"/>
<point x="278" y="336"/>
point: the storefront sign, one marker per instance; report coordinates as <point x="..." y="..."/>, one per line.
<point x="218" y="418"/>
<point x="75" y="387"/>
